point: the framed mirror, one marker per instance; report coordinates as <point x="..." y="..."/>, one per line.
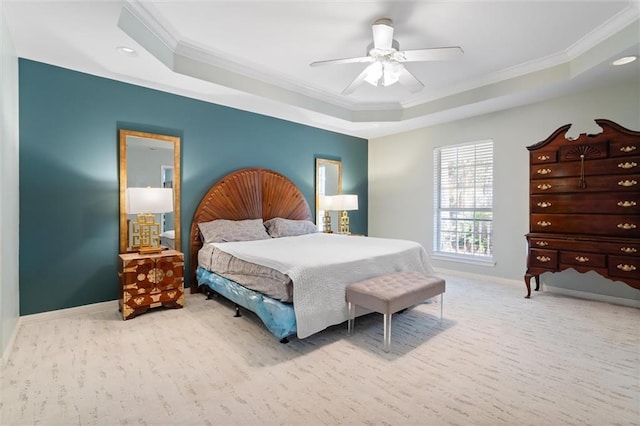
<point x="328" y="182"/>
<point x="149" y="160"/>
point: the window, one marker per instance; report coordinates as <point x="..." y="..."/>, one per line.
<point x="464" y="200"/>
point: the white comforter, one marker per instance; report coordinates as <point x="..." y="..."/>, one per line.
<point x="321" y="265"/>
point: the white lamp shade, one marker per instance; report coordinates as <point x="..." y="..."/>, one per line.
<point x="326" y="202"/>
<point x="149" y="200"/>
<point x="345" y="202"/>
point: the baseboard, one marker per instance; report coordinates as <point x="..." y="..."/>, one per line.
<point x="70" y="312"/>
<point x="9" y="348"/>
<point x="545" y="287"/>
<point x="590" y="296"/>
<point x="478" y="277"/>
<point x="46" y="316"/>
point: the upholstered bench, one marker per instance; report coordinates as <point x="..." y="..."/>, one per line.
<point x="390" y="293"/>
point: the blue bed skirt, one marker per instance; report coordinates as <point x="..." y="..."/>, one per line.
<point x="278" y="317"/>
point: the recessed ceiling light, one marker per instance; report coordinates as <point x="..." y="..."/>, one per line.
<point x="127" y="51"/>
<point x="625" y="60"/>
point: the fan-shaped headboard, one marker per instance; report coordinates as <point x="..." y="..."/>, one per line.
<point x="251" y="193"/>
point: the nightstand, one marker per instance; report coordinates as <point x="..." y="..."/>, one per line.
<point x="149" y="281"/>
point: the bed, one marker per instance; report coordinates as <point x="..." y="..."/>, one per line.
<point x="168" y="239"/>
<point x="309" y="270"/>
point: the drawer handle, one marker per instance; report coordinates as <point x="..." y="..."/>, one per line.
<point x="628" y="148"/>
<point x="626" y="268"/>
<point x="626" y="226"/>
<point x="582" y="259"/>
<point x="542" y="243"/>
<point x="628" y="250"/>
<point x="543" y="171"/>
<point x="627" y="182"/>
<point x="628" y="165"/>
<point x="544" y="223"/>
<point x="543" y="259"/>
<point x="544" y="204"/>
<point x="627" y="203"/>
<point x="544" y="186"/>
<point x="543" y="157"/>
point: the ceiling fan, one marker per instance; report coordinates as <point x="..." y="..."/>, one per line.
<point x="386" y="60"/>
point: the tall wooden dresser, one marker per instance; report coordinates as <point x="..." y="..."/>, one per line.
<point x="585" y="204"/>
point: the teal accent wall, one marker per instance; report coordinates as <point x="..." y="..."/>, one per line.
<point x="69" y="198"/>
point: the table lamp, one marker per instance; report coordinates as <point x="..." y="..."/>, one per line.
<point x="146" y="203"/>
<point x="326" y="205"/>
<point x="344" y="203"/>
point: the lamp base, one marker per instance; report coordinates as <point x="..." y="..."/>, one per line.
<point x="150" y="250"/>
<point x="344" y="223"/>
<point x="326" y="223"/>
<point x="145" y="234"/>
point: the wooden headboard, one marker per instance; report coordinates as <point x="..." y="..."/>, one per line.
<point x="251" y="193"/>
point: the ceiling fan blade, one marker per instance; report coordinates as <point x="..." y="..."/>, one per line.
<point x="435" y="54"/>
<point x="342" y="61"/>
<point x="357" y="82"/>
<point x="382" y="33"/>
<point x="408" y="80"/>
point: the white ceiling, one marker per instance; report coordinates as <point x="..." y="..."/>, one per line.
<point x="255" y="55"/>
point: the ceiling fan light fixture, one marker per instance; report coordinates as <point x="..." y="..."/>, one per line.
<point x="390" y="74"/>
<point x="374" y="73"/>
<point x="386" y="60"/>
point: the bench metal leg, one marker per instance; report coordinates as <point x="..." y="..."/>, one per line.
<point x="387" y="331"/>
<point x="441" y="305"/>
<point x="352" y="315"/>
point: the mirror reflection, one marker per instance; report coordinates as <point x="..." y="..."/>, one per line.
<point x="149" y="160"/>
<point x="328" y="182"/>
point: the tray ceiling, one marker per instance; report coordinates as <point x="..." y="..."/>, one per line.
<point x="255" y="55"/>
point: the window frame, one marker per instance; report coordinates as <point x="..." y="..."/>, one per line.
<point x="482" y="204"/>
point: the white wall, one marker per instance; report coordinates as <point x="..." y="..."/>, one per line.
<point x="9" y="301"/>
<point x="401" y="177"/>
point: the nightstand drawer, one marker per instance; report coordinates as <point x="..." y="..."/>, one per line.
<point x="154" y="300"/>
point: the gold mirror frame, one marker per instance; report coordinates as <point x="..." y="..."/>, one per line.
<point x="175" y="141"/>
<point x="332" y="175"/>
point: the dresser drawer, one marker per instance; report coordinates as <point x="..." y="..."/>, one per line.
<point x="618" y="183"/>
<point x="543" y="157"/>
<point x="585" y="243"/>
<point x="586" y="151"/>
<point x="609" y="202"/>
<point x="543" y="258"/>
<point x="594" y="260"/>
<point x="627" y="226"/>
<point x="624" y="148"/>
<point x="624" y="267"/>
<point x="609" y="166"/>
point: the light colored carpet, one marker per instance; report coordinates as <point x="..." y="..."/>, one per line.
<point x="496" y="358"/>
